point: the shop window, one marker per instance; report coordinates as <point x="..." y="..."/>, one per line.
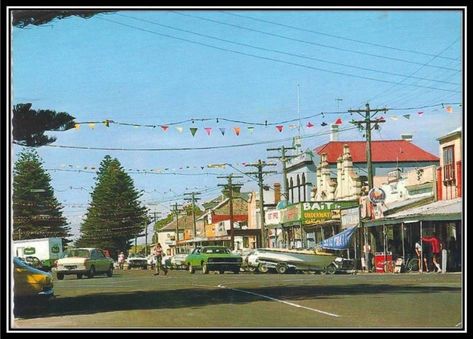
<point x="448" y="163"/>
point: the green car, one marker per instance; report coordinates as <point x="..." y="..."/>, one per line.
<point x="213" y="258"/>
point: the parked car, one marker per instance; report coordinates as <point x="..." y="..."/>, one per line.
<point x="244" y="253"/>
<point x="30" y="283"/>
<point x="34" y="262"/>
<point x="151" y="260"/>
<point x="213" y="258"/>
<point x="178" y="261"/>
<point x="80" y="261"/>
<point x="137" y="260"/>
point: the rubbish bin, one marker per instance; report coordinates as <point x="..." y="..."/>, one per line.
<point x="380" y="259"/>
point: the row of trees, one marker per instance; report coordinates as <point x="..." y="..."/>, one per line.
<point x="114" y="216"/>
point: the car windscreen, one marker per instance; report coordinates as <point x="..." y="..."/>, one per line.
<point x="77" y="253"/>
<point x="216" y="250"/>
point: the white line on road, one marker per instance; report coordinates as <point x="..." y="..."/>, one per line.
<point x="279" y="300"/>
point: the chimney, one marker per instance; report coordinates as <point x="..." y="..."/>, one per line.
<point x="277" y="192"/>
<point x="407" y="137"/>
<point x="334" y="132"/>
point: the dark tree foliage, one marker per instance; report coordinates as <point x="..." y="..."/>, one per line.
<point x="115" y="215"/>
<point x="29" y="125"/>
<point x="23" y="18"/>
<point x="36" y="212"/>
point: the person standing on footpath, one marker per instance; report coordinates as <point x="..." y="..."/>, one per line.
<point x="436" y="248"/>
<point x="121" y="260"/>
<point x="368" y="256"/>
<point x="158" y="253"/>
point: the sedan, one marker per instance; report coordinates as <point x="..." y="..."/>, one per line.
<point x="80" y="261"/>
<point x="213" y="258"/>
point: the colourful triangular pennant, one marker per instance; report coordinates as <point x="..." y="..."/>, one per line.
<point x="407" y="116"/>
<point x="449" y="109"/>
<point x="323" y="124"/>
<point x="251" y="129"/>
<point x="237" y="130"/>
<point x="193" y="130"/>
<point x="164" y="127"/>
<point x="394" y="117"/>
<point x="179" y="129"/>
<point x="420" y="113"/>
<point x="310" y="125"/>
<point x="279" y="128"/>
<point x="338" y="121"/>
<point x="92" y="125"/>
<point x="77" y="126"/>
<point x="208" y="130"/>
<point x="222" y="130"/>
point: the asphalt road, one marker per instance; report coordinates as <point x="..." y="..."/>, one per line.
<point x="137" y="299"/>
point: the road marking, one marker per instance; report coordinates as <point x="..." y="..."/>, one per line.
<point x="279" y="300"/>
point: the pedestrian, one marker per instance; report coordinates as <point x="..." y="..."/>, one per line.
<point x="418" y="249"/>
<point x="121" y="260"/>
<point x="435" y="248"/>
<point x="158" y="253"/>
<point x="368" y="256"/>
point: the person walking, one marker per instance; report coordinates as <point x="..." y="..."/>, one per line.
<point x="158" y="253"/>
<point x="436" y="249"/>
<point x="368" y="256"/>
<point x="121" y="260"/>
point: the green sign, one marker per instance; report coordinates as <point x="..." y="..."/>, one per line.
<point x="55" y="249"/>
<point x="291" y="213"/>
<point x="29" y="250"/>
<point x="319" y="211"/>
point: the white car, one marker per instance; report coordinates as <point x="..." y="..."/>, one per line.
<point x="136" y="260"/>
<point x="178" y="261"/>
<point x="80" y="261"/>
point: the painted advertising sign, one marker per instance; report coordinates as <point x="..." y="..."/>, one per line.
<point x="272" y="217"/>
<point x="349" y="217"/>
<point x="319" y="211"/>
<point x="291" y="213"/>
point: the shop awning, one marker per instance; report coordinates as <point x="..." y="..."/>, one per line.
<point x="443" y="210"/>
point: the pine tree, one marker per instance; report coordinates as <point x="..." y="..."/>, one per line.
<point x="115" y="215"/>
<point x="36" y="211"/>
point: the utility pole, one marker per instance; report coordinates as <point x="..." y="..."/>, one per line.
<point x="193" y="199"/>
<point x="367" y="122"/>
<point x="176" y="212"/>
<point x="146" y="230"/>
<point x="230" y="185"/>
<point x="283" y="158"/>
<point x="260" y="165"/>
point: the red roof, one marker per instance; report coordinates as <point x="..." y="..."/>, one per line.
<point x="381" y="151"/>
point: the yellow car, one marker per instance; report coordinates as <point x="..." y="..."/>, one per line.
<point x="30" y="282"/>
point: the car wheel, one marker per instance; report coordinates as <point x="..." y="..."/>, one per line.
<point x="251" y="269"/>
<point x="281" y="268"/>
<point x="110" y="271"/>
<point x="191" y="269"/>
<point x="60" y="276"/>
<point x="205" y="268"/>
<point x="331" y="269"/>
<point x="236" y="271"/>
<point x="79" y="276"/>
<point x="91" y="272"/>
<point x="263" y="268"/>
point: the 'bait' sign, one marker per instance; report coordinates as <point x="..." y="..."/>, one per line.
<point x="319" y="211"/>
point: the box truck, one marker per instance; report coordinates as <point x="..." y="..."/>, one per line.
<point x="46" y="249"/>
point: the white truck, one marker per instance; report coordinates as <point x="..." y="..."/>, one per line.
<point x="46" y="249"/>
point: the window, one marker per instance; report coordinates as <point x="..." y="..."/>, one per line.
<point x="303" y="187"/>
<point x="298" y="189"/>
<point x="291" y="192"/>
<point x="448" y="163"/>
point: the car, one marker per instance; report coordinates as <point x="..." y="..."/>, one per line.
<point x="84" y="261"/>
<point x="213" y="258"/>
<point x="151" y="260"/>
<point x="34" y="262"/>
<point x="137" y="260"/>
<point x="244" y="253"/>
<point x="30" y="283"/>
<point x="178" y="261"/>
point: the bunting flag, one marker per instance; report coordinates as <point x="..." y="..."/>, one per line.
<point x="323" y="124"/>
<point x="407" y="116"/>
<point x="420" y="113"/>
<point x="293" y="126"/>
<point x="222" y="130"/>
<point x="208" y="130"/>
<point x="106" y="123"/>
<point x="310" y="125"/>
<point x="164" y="127"/>
<point x="279" y="128"/>
<point x="179" y="129"/>
<point x="339" y="121"/>
<point x="237" y="130"/>
<point x="77" y="126"/>
<point x="394" y="117"/>
<point x="216" y="165"/>
<point x="449" y="109"/>
<point x="251" y="129"/>
<point x="92" y="125"/>
<point x="193" y="130"/>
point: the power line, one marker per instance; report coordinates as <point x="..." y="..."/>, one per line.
<point x="268" y="58"/>
<point x="334" y="36"/>
<point x="282" y="52"/>
<point x="310" y="42"/>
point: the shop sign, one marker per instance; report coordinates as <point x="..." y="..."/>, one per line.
<point x="272" y="217"/>
<point x="291" y="213"/>
<point x="376" y="195"/>
<point x="29" y="250"/>
<point x="350" y="217"/>
<point x="316" y="212"/>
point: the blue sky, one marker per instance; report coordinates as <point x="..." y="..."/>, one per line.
<point x="158" y="67"/>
